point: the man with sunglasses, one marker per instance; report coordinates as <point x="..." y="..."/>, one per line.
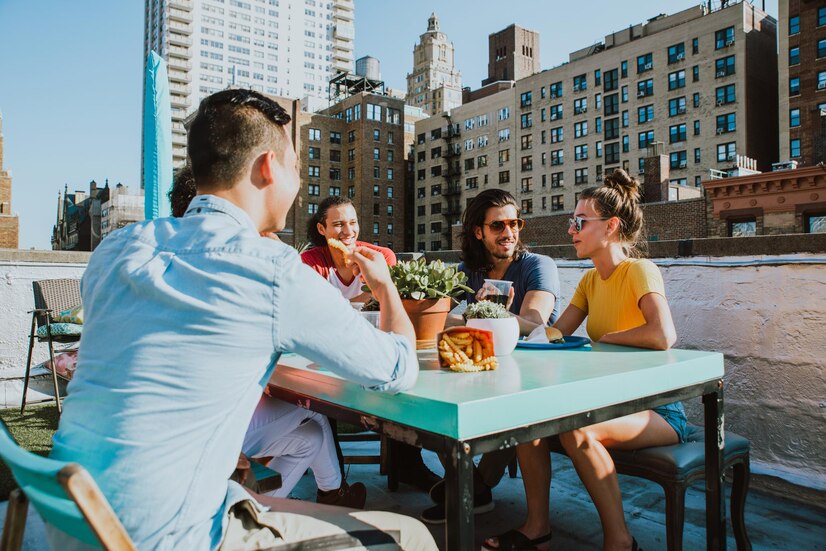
<point x="491" y="249"/>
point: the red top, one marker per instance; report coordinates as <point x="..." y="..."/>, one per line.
<point x="320" y="260"/>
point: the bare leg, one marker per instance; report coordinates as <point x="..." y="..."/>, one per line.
<point x="535" y="463"/>
<point x="588" y="449"/>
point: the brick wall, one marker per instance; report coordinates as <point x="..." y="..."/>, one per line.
<point x="9" y="232"/>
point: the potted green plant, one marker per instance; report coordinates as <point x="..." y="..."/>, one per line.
<point x="495" y="318"/>
<point x="427" y="290"/>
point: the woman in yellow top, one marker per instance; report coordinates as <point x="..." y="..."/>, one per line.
<point x="624" y="301"/>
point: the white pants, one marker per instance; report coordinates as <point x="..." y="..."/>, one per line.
<point x="296" y="439"/>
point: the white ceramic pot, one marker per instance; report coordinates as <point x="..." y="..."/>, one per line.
<point x="505" y="333"/>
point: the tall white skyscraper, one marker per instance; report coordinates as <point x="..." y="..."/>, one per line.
<point x="279" y="47"/>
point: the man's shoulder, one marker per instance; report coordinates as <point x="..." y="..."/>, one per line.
<point x="536" y="261"/>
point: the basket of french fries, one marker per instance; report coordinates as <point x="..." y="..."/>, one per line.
<point x="466" y="349"/>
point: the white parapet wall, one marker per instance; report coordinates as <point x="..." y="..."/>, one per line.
<point x="766" y="314"/>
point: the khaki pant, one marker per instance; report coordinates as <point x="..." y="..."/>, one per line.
<point x="304" y="525"/>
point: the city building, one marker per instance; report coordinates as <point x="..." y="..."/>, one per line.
<point x="354" y="148"/>
<point x="801" y="69"/>
<point x="513" y="54"/>
<point x="435" y="84"/>
<point x="278" y="47"/>
<point x="9" y="222"/>
<point x="120" y="209"/>
<point x="699" y="81"/>
<point x="769" y="203"/>
<point x="78" y="219"/>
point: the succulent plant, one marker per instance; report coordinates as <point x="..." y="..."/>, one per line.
<point x="371" y="305"/>
<point x="420" y="280"/>
<point x="485" y="309"/>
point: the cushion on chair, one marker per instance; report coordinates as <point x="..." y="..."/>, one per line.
<point x="60" y="329"/>
<point x="679" y="459"/>
<point x="72" y="315"/>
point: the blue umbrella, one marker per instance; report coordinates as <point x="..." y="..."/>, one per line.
<point x="157" y="139"/>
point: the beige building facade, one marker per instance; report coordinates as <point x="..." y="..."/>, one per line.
<point x="801" y="69"/>
<point x="699" y="82"/>
<point x="435" y="85"/>
<point x="9" y="222"/>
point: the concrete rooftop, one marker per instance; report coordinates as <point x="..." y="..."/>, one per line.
<point x="774" y="523"/>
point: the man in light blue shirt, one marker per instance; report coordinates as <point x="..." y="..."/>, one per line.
<point x="185" y="321"/>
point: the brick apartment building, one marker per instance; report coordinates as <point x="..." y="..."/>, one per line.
<point x="802" y="81"/>
<point x="78" y="219"/>
<point x="701" y="82"/>
<point x="9" y="222"/>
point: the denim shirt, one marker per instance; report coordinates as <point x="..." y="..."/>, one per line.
<point x="185" y="321"/>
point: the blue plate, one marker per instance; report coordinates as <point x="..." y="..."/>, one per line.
<point x="570" y="342"/>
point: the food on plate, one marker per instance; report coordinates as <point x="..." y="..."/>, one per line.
<point x="554" y="335"/>
<point x="338" y="245"/>
<point x="466" y="349"/>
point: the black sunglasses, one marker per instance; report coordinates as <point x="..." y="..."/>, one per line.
<point x="515" y="224"/>
<point x="579" y="221"/>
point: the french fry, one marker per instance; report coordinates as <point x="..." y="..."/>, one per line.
<point x="477" y="352"/>
<point x="467" y="350"/>
<point x="455" y="349"/>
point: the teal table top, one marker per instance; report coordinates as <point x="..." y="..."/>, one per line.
<point x="530" y="386"/>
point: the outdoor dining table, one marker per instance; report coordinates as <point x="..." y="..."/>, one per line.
<point x="533" y="394"/>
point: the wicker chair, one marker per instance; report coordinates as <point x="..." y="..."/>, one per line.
<point x="51" y="296"/>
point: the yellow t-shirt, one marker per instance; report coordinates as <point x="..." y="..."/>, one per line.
<point x="614" y="304"/>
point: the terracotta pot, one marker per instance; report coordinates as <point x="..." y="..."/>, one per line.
<point x="505" y="332"/>
<point x="428" y="318"/>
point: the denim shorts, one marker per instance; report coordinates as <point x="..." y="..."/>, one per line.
<point x="674" y="415"/>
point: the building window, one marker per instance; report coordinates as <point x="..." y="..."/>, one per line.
<point x="314" y="134"/>
<point x="794" y="148"/>
<point x="436" y="134"/>
<point x="504" y="156"/>
<point x="524" y="100"/>
<point x="504" y="176"/>
<point x="695" y="73"/>
<point x="645" y="63"/>
<point x="555" y="90"/>
<point x="612" y="153"/>
<point x="504" y="134"/>
<point x="527" y="163"/>
<point x="676" y="53"/>
<point x="676" y="133"/>
<point x="351" y="191"/>
<point x="624" y="94"/>
<point x="482" y="161"/>
<point x="641" y="165"/>
<point x="794" y="55"/>
<point x="676" y="106"/>
<point x="821" y="16"/>
<point x="626" y="146"/>
<point x="581" y="152"/>
<point x="794" y="117"/>
<point x="597" y="77"/>
<point x="335" y="137"/>
<point x="312" y="208"/>
<point x="335" y="191"/>
<point x="624" y="69"/>
<point x="598" y="125"/>
<point x="599" y="154"/>
<point x="526" y="142"/>
<point x="314" y="153"/>
<point x="376" y="190"/>
<point x="696" y="155"/>
<point x="821" y="48"/>
<point x="580" y="83"/>
<point x="676" y="80"/>
<point x="557" y="202"/>
<point x="726" y="123"/>
<point x="504" y="113"/>
<point x="527" y="206"/>
<point x="724" y="66"/>
<point x="742" y="228"/>
<point x="645" y="139"/>
<point x="373" y="113"/>
<point x="724" y="38"/>
<point x="313" y="189"/>
<point x="677" y="159"/>
<point x="390" y="228"/>
<point x="436" y="170"/>
<point x="557" y="157"/>
<point x="816" y="223"/>
<point x="821" y="80"/>
<point x="625" y="119"/>
<point x="696" y="99"/>
<point x="696" y="128"/>
<point x="581" y="176"/>
<point x="794" y="24"/>
<point x="556" y="135"/>
<point x="436" y="208"/>
<point x="611" y="104"/>
<point x="556" y="112"/>
<point x="726" y="152"/>
<point x="435" y="190"/>
<point x="557" y="179"/>
<point x="645" y="88"/>
<point x="645" y="113"/>
<point x="725" y="94"/>
<point x="794" y="86"/>
<point x="612" y="129"/>
<point x="389" y="192"/>
<point x="580" y="105"/>
<point x="526" y="120"/>
<point x="580" y="129"/>
<point x="597" y="101"/>
<point x="314" y="171"/>
<point x="527" y="185"/>
<point x="611" y="80"/>
<point x="390" y="174"/>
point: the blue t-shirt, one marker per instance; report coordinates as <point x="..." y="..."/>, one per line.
<point x="532" y="272"/>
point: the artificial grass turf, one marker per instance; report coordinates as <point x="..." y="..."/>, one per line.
<point x="33" y="431"/>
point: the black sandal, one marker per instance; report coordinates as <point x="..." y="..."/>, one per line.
<point x="514" y="540"/>
<point x="634" y="546"/>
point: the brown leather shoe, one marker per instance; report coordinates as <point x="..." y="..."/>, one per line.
<point x="353" y="496"/>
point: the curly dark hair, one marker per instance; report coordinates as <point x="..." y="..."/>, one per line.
<point x="182" y="192"/>
<point x="473" y="252"/>
<point x="320" y="217"/>
<point x="619" y="196"/>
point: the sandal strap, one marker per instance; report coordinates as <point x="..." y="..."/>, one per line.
<point x="514" y="540"/>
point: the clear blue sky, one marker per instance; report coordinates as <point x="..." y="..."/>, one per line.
<point x="71" y="76"/>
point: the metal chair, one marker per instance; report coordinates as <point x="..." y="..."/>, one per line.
<point x="51" y="296"/>
<point x="65" y="496"/>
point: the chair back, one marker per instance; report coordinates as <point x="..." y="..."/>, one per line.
<point x="65" y="495"/>
<point x="55" y="294"/>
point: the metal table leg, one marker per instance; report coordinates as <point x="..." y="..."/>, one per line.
<point x="715" y="491"/>
<point x="459" y="498"/>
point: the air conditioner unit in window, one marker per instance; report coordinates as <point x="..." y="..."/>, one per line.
<point x="729" y="42"/>
<point x="732" y="157"/>
<point x="683" y="164"/>
<point x="721" y="74"/>
<point x="554" y="116"/>
<point x="821" y="85"/>
<point x="720" y="102"/>
<point x="647" y="66"/>
<point x="681" y="56"/>
<point x="720" y="131"/>
<point x="641" y="94"/>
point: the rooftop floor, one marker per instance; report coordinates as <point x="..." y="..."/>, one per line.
<point x="773" y="523"/>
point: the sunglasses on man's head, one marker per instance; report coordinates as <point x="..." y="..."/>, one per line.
<point x="577" y="222"/>
<point x="498" y="226"/>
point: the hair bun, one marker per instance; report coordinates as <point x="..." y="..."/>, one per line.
<point x="624" y="183"/>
